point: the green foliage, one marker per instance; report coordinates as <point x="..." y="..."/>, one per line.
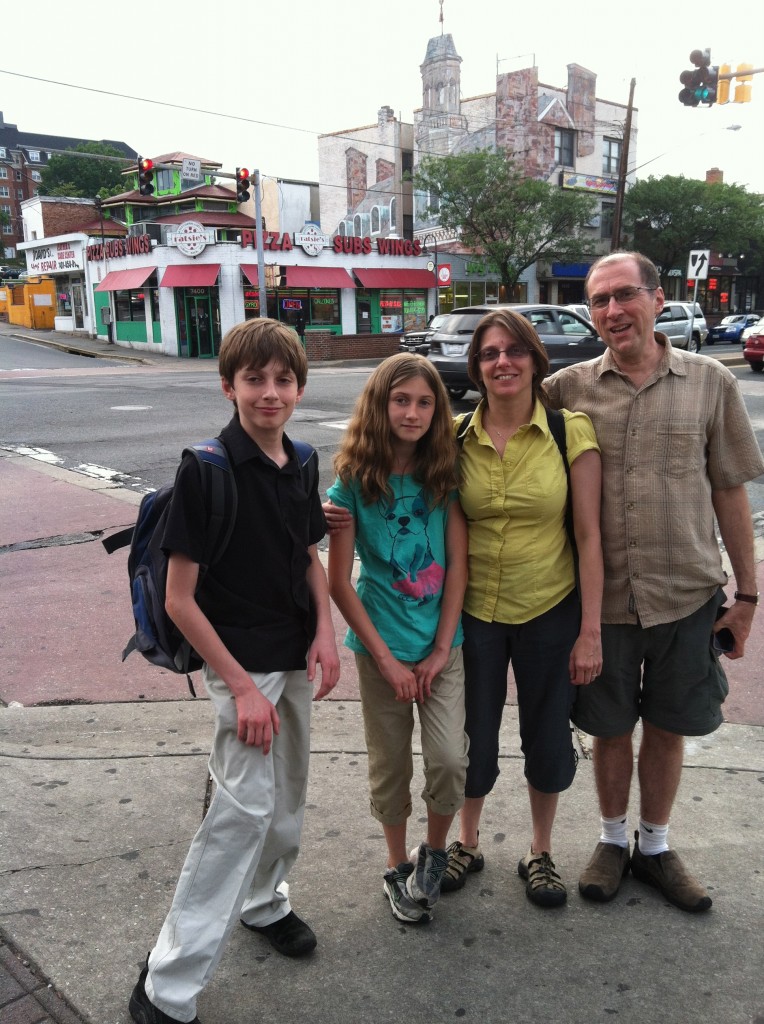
<point x="512" y="220"/>
<point x="671" y="216"/>
<point x="80" y="177"/>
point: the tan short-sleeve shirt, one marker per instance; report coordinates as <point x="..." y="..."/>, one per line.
<point x="665" y="447"/>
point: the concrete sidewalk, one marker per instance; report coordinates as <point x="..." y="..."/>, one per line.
<point x="104" y="771"/>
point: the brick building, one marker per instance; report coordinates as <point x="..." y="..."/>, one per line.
<point x="22" y="158"/>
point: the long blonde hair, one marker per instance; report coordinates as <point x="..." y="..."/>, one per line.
<point x="366" y="453"/>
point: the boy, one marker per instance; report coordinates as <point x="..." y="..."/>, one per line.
<point x="264" y="604"/>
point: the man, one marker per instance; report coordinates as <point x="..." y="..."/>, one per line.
<point x="677" y="449"/>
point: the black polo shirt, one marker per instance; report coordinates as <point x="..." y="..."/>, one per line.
<point x="256" y="596"/>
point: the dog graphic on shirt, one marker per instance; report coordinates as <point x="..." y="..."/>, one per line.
<point x="416" y="575"/>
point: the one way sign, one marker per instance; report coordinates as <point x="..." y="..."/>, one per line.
<point x="697" y="267"/>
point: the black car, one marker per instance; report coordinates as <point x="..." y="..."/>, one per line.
<point x="419" y="341"/>
<point x="9" y="273"/>
<point x="567" y="338"/>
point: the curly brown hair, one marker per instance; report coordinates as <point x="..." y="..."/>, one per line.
<point x="366" y="452"/>
<point x="522" y="332"/>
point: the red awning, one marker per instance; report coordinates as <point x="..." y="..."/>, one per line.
<point x="250" y="272"/>
<point x="306" y="277"/>
<point x="318" y="277"/>
<point x="124" y="280"/>
<point x="192" y="275"/>
<point x="395" y="278"/>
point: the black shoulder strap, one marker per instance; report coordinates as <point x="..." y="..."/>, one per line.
<point x="307" y="457"/>
<point x="220" y="495"/>
<point x="556" y="421"/>
<point x="463" y="425"/>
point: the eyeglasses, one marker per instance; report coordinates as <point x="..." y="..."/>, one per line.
<point x="490" y="355"/>
<point x="621" y="295"/>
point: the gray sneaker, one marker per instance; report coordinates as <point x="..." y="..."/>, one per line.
<point x="423" y="884"/>
<point x="404" y="908"/>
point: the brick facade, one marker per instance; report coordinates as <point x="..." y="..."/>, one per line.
<point x="324" y="347"/>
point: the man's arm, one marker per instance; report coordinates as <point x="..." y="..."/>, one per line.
<point x="257" y="717"/>
<point x="733" y="513"/>
<point x="323" y="650"/>
<point x="585" y="662"/>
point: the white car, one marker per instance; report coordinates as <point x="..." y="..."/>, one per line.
<point x="756" y="328"/>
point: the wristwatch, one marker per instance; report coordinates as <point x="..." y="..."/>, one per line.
<point x="748" y="598"/>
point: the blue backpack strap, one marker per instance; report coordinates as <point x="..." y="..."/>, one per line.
<point x="220" y="497"/>
<point x="307" y="457"/>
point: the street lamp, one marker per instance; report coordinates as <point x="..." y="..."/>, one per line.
<point x="437" y="282"/>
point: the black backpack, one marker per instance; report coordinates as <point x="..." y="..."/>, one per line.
<point x="156" y="637"/>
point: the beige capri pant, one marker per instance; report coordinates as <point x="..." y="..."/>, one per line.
<point x="389" y="727"/>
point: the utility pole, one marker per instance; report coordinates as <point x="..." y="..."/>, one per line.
<point x="615" y="241"/>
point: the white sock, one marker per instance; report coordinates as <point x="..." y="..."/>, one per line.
<point x="614" y="831"/>
<point x="652" y="838"/>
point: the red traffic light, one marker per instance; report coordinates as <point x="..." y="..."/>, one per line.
<point x="242" y="173"/>
<point x="145" y="176"/>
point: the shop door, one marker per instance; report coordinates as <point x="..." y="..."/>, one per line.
<point x="78" y="319"/>
<point x="198" y="322"/>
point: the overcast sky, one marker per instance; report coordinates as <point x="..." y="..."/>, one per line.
<point x="273" y="76"/>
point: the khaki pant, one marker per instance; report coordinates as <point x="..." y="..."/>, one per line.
<point x="389" y="727"/>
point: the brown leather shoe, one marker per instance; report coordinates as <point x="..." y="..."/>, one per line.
<point x="665" y="871"/>
<point x="601" y="878"/>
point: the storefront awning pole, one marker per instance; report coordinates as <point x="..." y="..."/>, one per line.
<point x="263" y="302"/>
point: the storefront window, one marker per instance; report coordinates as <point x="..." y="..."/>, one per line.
<point x="414" y="310"/>
<point x="130" y="306"/>
<point x="63" y="301"/>
<point x="391" y="310"/>
<point x="324" y="306"/>
<point x="461" y="294"/>
<point x="492" y="291"/>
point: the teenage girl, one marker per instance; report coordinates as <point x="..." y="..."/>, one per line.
<point x="396" y="475"/>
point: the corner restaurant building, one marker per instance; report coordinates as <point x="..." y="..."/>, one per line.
<point x="179" y="293"/>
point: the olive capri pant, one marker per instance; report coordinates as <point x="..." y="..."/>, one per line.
<point x="389" y="727"/>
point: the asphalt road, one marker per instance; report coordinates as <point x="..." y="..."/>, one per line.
<point x="130" y="422"/>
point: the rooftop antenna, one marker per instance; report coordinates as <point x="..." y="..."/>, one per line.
<point x="440" y="19"/>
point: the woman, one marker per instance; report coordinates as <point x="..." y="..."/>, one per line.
<point x="521" y="605"/>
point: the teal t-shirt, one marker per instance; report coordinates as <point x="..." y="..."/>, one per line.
<point x="402" y="548"/>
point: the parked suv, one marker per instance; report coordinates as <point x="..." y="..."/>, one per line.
<point x="419" y="341"/>
<point x="567" y="339"/>
<point x="674" y="321"/>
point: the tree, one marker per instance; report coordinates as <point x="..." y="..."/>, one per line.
<point x="510" y="219"/>
<point x="671" y="216"/>
<point x="81" y="177"/>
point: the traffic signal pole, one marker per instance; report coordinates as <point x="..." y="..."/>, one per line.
<point x="262" y="300"/>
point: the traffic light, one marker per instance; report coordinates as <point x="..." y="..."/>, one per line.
<point x="723" y="88"/>
<point x="145" y="176"/>
<point x="700" y="84"/>
<point x="743" y="88"/>
<point x="242" y="184"/>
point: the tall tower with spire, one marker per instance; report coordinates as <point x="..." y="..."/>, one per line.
<point x="440" y="122"/>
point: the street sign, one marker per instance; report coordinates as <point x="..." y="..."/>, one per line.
<point x="697" y="266"/>
<point x="191" y="170"/>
